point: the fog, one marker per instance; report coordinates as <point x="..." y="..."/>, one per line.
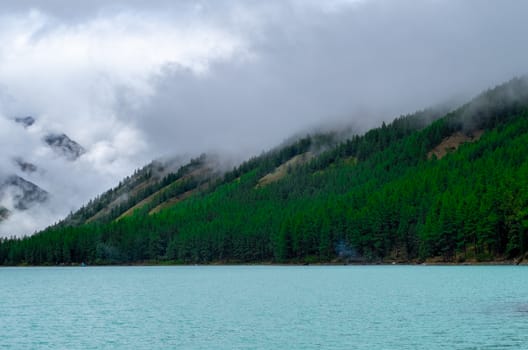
<point x="132" y="81"/>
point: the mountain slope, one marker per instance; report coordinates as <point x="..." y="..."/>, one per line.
<point x="374" y="197"/>
<point x="155" y="183"/>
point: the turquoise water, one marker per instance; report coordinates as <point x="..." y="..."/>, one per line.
<point x="256" y="307"/>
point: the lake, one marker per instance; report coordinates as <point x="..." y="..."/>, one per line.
<point x="264" y="307"/>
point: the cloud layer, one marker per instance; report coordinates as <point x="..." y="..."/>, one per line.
<point x="136" y="80"/>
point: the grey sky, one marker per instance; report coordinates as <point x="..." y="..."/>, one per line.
<point x="135" y="80"/>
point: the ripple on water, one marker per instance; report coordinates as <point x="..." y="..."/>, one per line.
<point x="242" y="307"/>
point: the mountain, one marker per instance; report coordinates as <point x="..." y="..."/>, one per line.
<point x="24" y="166"/>
<point x="430" y="186"/>
<point x="148" y="189"/>
<point x="22" y="193"/>
<point x="16" y="192"/>
<point x="64" y="146"/>
<point x="164" y="183"/>
<point x="4" y="213"/>
<point x="59" y="142"/>
<point x="25" y="121"/>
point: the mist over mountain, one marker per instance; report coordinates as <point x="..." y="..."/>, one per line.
<point x="25" y="121"/>
<point x="114" y="85"/>
<point x="198" y="173"/>
<point x="64" y="146"/>
<point x="430" y="186"/>
<point x="19" y="195"/>
<point x="22" y="193"/>
<point x="24" y="166"/>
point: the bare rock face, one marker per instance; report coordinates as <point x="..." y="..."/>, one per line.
<point x="24" y="166"/>
<point x="64" y="146"/>
<point x="59" y="142"/>
<point x="4" y="213"/>
<point x="25" y="121"/>
<point x="16" y="192"/>
<point x="23" y="193"/>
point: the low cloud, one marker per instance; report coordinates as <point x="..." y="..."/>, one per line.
<point x="134" y="80"/>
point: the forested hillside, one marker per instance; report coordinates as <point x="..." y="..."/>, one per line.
<point x="448" y="187"/>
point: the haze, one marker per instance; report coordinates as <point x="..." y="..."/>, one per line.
<point x="136" y="80"/>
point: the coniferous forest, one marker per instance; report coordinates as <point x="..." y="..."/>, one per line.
<point x="392" y="194"/>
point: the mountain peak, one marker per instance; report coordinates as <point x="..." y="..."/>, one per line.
<point x="25" y="121"/>
<point x="23" y="192"/>
<point x="25" y="166"/>
<point x="4" y="213"/>
<point x="64" y="146"/>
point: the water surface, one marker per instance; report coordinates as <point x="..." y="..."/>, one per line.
<point x="264" y="307"/>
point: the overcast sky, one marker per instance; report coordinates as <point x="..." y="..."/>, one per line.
<point x="135" y="80"/>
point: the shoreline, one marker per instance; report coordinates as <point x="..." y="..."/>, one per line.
<point x="219" y="264"/>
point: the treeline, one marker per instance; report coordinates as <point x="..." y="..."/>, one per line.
<point x="373" y="197"/>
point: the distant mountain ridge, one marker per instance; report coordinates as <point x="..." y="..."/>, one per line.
<point x="4" y="213"/>
<point x="25" y="121"/>
<point x="25" y="167"/>
<point x="24" y="193"/>
<point x="19" y="194"/>
<point x="64" y="146"/>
